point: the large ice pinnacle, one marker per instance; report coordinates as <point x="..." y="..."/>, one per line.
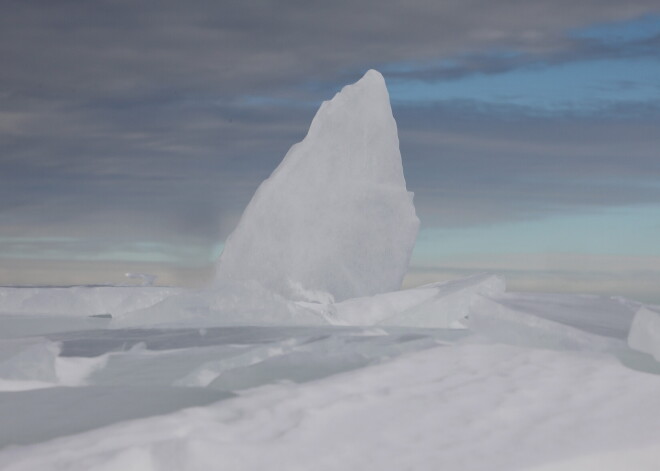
<point x="335" y="216"/>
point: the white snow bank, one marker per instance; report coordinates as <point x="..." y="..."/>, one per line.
<point x="335" y="217"/>
<point x="645" y="332"/>
<point x="464" y="408"/>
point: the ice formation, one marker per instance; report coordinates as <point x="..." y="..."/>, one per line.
<point x="81" y="300"/>
<point x="439" y="305"/>
<point x="334" y="220"/>
<point x="645" y="332"/>
<point x="526" y="326"/>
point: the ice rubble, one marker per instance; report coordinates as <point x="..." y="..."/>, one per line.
<point x="645" y="332"/>
<point x="334" y="219"/>
<point x="439" y="305"/>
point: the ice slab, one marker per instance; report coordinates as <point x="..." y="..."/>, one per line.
<point x="439" y="305"/>
<point x="22" y="325"/>
<point x="607" y="316"/>
<point x="80" y="301"/>
<point x="28" y="360"/>
<point x="644" y="333"/>
<point x="527" y="324"/>
<point x="36" y="363"/>
<point x="236" y="304"/>
<point x="120" y="374"/>
<point x="44" y="414"/>
<point x="334" y="220"/>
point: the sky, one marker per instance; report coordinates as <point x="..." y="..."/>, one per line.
<point x="133" y="134"/>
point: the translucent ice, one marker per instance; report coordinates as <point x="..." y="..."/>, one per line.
<point x="440" y="305"/>
<point x="334" y="219"/>
<point x="644" y="333"/>
<point x="520" y="319"/>
<point x="80" y="300"/>
<point x="28" y="359"/>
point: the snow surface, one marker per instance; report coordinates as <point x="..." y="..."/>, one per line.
<point x="334" y="219"/>
<point x="461" y="406"/>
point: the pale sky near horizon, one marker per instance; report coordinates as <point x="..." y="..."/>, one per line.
<point x="133" y="135"/>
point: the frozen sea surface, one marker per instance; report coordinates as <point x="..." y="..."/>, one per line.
<point x="331" y="398"/>
<point x="525" y="382"/>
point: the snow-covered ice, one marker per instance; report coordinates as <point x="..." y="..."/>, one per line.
<point x="460" y="407"/>
<point x="335" y="218"/>
<point x="529" y="382"/>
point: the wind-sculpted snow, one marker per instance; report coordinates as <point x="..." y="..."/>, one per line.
<point x="334" y="220"/>
<point x="645" y="332"/>
<point x="462" y="407"/>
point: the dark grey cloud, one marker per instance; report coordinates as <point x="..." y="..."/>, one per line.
<point x="472" y="166"/>
<point x="129" y="120"/>
<point x="122" y="49"/>
<point x="496" y="61"/>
